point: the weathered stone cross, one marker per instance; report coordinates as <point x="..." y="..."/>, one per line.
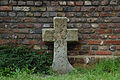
<point x="60" y="35"/>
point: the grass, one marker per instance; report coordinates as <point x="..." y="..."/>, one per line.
<point x="105" y="70"/>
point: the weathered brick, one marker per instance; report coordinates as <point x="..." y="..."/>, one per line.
<point x="70" y="25"/>
<point x="38" y="3"/>
<point x="115" y="19"/>
<point x="87" y="31"/>
<point x="23" y="8"/>
<point x="104" y="2"/>
<point x="11" y="2"/>
<point x="29" y="13"/>
<point x="22" y="25"/>
<point x="3" y="14"/>
<point x="59" y="8"/>
<point x="37" y="14"/>
<point x="70" y="9"/>
<point x="77" y="8"/>
<point x="37" y="47"/>
<point x="117" y="53"/>
<point x="12" y="14"/>
<point x="78" y="3"/>
<point x="103" y="53"/>
<point x="103" y="31"/>
<point x="113" y="2"/>
<point x="62" y="3"/>
<point x="31" y="42"/>
<point x="60" y="14"/>
<point x="111" y="36"/>
<point x="112" y="42"/>
<point x="46" y="25"/>
<point x="116" y="31"/>
<point x="103" y="26"/>
<point x="5" y="36"/>
<point x="71" y="3"/>
<point x="46" y="3"/>
<point x="105" y="8"/>
<point x="3" y="2"/>
<point x="54" y="3"/>
<point x="94" y="42"/>
<point x="21" y="30"/>
<point x="4" y="42"/>
<point x="20" y="14"/>
<point x="30" y="3"/>
<point x="92" y="19"/>
<point x="38" y="8"/>
<point x="45" y="14"/>
<point x="85" y="48"/>
<point x="44" y="20"/>
<point x="96" y="3"/>
<point x="118" y="47"/>
<point x="117" y="8"/>
<point x="87" y="3"/>
<point x="38" y="31"/>
<point x="94" y="47"/>
<point x="70" y="14"/>
<point x="5" y="8"/>
<point x="28" y="19"/>
<point x="37" y="25"/>
<point x="95" y="25"/>
<point x="21" y="2"/>
<point x="53" y="14"/>
<point x="112" y="25"/>
<point x="103" y="48"/>
<point x="106" y="14"/>
<point x="78" y="14"/>
<point x="94" y="36"/>
<point x="78" y="25"/>
<point x="51" y="8"/>
<point x="86" y="25"/>
<point x="103" y="36"/>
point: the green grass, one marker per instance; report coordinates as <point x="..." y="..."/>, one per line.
<point x="72" y="76"/>
<point x="105" y="70"/>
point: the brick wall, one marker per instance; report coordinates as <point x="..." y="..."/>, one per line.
<point x="98" y="22"/>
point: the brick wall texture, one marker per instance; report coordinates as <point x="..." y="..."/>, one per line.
<point x="98" y="22"/>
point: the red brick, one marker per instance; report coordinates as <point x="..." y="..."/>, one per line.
<point x="103" y="31"/>
<point x="77" y="8"/>
<point x="5" y="8"/>
<point x="118" y="47"/>
<point x="103" y="53"/>
<point x="21" y="30"/>
<point x="116" y="31"/>
<point x="54" y="3"/>
<point x="94" y="42"/>
<point x="111" y="36"/>
<point x="2" y="31"/>
<point x="112" y="42"/>
<point x="25" y="26"/>
<point x="117" y="8"/>
<point x="30" y="42"/>
<point x="103" y="26"/>
<point x="117" y="53"/>
<point x="78" y="3"/>
<point x="105" y="2"/>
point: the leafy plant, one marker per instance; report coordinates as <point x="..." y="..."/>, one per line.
<point x="12" y="58"/>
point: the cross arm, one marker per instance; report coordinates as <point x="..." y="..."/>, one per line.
<point x="48" y="35"/>
<point x="72" y="34"/>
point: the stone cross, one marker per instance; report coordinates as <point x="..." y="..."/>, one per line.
<point x="60" y="35"/>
